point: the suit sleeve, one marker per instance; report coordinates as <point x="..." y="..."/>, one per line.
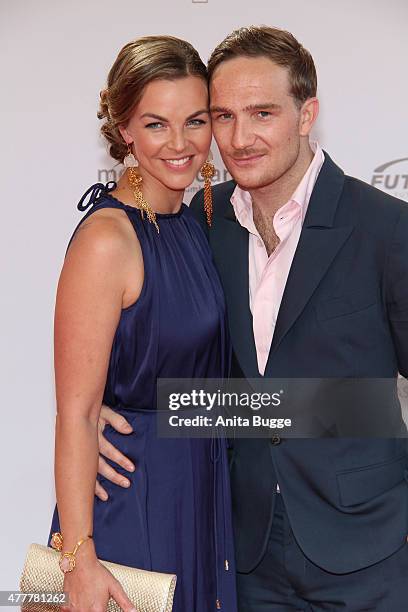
<point x="397" y="290"/>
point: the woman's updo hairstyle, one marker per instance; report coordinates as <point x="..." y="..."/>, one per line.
<point x="140" y="62"/>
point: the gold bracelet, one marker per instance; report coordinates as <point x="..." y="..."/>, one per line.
<point x="67" y="560"/>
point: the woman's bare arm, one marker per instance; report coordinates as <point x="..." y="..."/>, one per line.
<point x="90" y="295"/>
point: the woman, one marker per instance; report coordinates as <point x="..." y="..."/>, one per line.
<point x="139" y="298"/>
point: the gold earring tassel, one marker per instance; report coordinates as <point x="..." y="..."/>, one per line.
<point x="207" y="172"/>
<point x="135" y="181"/>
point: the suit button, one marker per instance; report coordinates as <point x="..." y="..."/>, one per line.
<point x="276" y="439"/>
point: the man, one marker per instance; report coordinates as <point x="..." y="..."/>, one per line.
<point x="314" y="266"/>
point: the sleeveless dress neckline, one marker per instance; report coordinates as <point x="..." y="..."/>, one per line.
<point x="158" y="215"/>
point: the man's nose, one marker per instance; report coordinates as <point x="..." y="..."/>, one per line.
<point x="242" y="136"/>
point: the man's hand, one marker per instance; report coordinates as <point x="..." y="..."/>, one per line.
<point x="118" y="422"/>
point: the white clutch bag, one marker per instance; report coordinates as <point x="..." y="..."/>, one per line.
<point x="148" y="591"/>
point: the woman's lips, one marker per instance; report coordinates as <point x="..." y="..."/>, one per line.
<point x="178" y="164"/>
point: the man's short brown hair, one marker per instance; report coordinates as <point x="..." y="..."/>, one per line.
<point x="279" y="46"/>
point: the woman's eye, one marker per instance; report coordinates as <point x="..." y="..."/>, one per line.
<point x="196" y="122"/>
<point x="155" y="125"/>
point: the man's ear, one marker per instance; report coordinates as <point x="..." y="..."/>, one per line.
<point x="308" y="115"/>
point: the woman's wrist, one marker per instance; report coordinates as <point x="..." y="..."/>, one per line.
<point x="83" y="549"/>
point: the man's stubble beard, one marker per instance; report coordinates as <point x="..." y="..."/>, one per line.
<point x="267" y="179"/>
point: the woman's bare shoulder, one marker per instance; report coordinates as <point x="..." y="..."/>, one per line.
<point x="106" y="230"/>
<point x="109" y="245"/>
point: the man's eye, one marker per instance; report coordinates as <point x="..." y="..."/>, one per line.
<point x="154" y="126"/>
<point x="263" y="114"/>
<point x="224" y="116"/>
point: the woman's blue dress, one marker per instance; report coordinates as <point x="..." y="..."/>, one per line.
<point x="176" y="515"/>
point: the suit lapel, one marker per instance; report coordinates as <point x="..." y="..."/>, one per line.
<point x="319" y="242"/>
<point x="229" y="243"/>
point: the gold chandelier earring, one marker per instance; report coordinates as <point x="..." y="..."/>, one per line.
<point x="135" y="180"/>
<point x="207" y="172"/>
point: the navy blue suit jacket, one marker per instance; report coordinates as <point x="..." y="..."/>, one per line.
<point x="344" y="313"/>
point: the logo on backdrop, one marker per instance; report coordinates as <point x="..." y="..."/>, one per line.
<point x="392" y="177"/>
<point x="110" y="174"/>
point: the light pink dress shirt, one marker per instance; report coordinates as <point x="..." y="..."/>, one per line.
<point x="268" y="275"/>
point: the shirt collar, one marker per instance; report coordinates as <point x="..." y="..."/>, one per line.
<point x="242" y="202"/>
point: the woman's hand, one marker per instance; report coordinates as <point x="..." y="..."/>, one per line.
<point x="90" y="585"/>
<point x="118" y="422"/>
